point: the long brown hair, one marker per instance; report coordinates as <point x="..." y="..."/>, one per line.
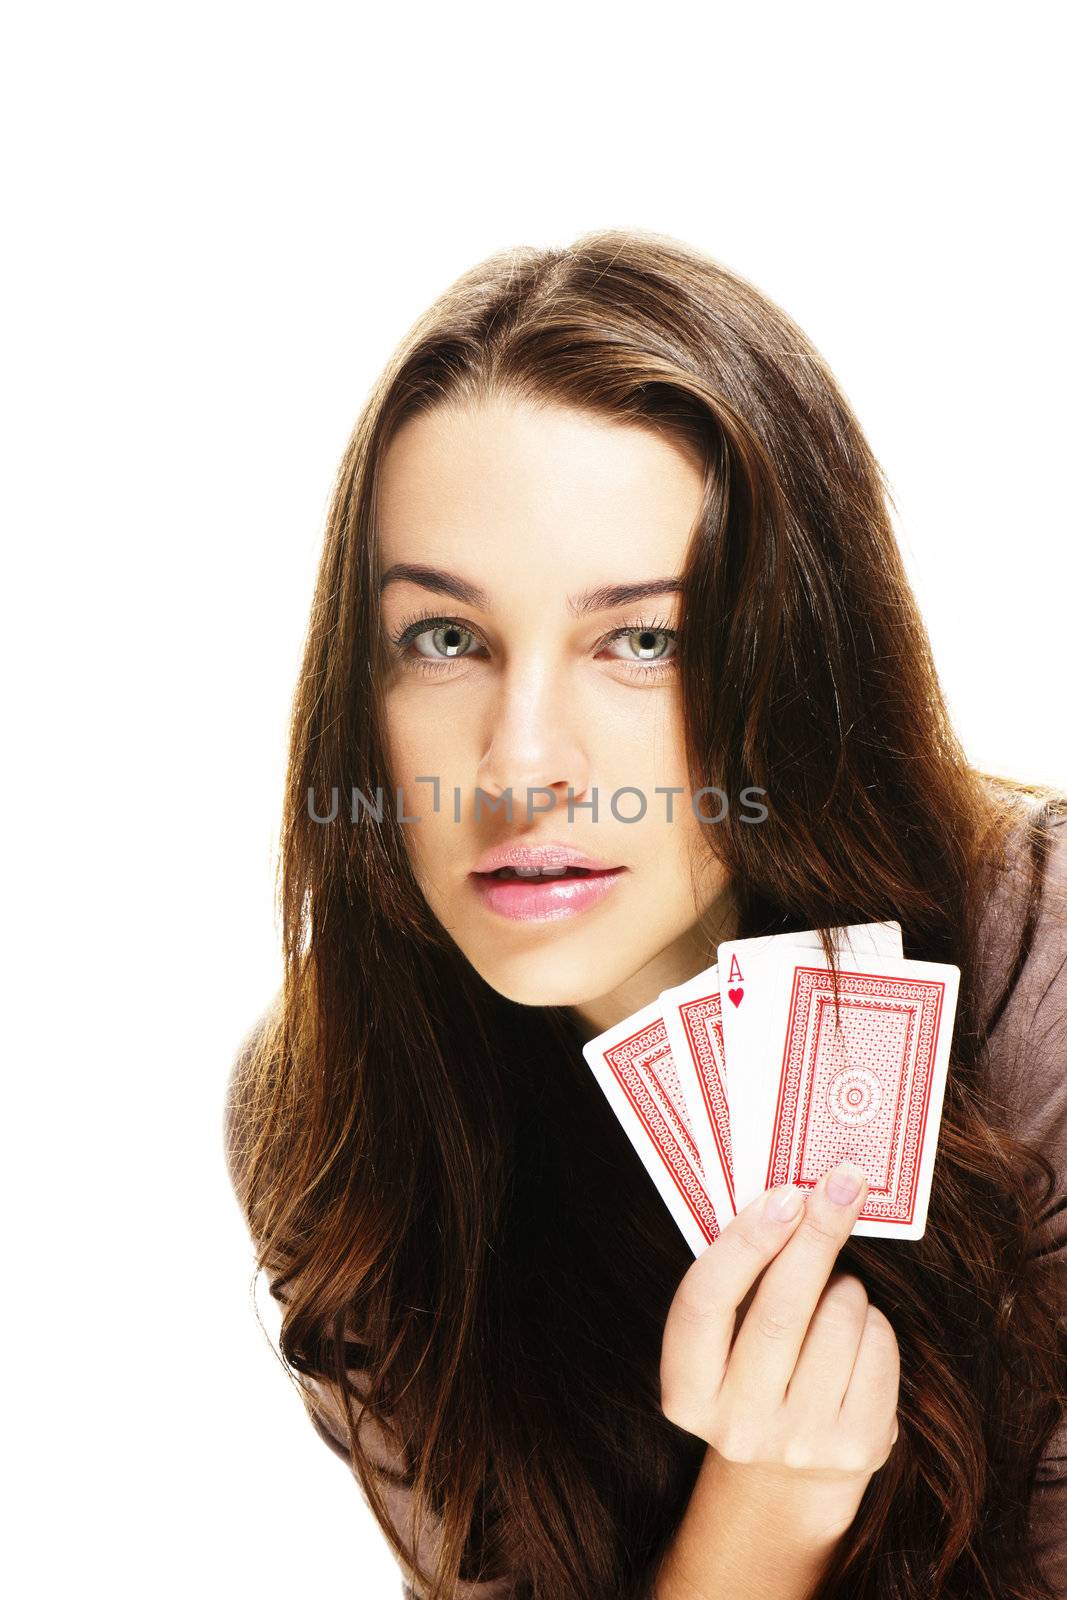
<point x="435" y="1187"/>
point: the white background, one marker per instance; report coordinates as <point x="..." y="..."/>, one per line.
<point x="221" y="218"/>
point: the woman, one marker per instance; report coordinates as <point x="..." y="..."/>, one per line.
<point x="607" y="523"/>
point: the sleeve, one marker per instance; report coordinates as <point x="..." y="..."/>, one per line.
<point x="327" y="1418"/>
<point x="323" y="1406"/>
<point x="1029" y="1045"/>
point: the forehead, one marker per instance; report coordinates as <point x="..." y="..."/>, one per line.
<point x="509" y="489"/>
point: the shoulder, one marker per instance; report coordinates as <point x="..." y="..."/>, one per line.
<point x="235" y="1115"/>
<point x="1031" y="853"/>
<point x="1028" y="1040"/>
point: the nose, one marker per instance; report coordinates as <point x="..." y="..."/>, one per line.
<point x="533" y="742"/>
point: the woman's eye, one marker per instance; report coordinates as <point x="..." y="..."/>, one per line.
<point x="652" y="645"/>
<point x="431" y="644"/>
<point x="446" y="642"/>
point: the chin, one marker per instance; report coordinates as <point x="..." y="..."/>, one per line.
<point x="546" y="977"/>
<point x="527" y="987"/>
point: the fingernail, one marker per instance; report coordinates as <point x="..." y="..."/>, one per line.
<point x="844" y="1183"/>
<point x="784" y="1203"/>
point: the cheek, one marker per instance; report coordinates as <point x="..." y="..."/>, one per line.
<point x="417" y="741"/>
<point x="679" y="853"/>
<point x="646" y="753"/>
<point x="423" y="744"/>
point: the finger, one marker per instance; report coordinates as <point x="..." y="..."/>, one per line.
<point x="873" y="1392"/>
<point x="700" y="1322"/>
<point x="827" y="1356"/>
<point x="769" y="1340"/>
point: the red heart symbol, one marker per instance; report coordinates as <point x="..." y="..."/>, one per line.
<point x="735" y="995"/>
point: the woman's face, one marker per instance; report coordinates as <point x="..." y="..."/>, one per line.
<point x="516" y="687"/>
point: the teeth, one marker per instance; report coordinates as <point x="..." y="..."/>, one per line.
<point x="531" y="872"/>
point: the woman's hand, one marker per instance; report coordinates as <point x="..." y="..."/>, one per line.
<point x="793" y="1380"/>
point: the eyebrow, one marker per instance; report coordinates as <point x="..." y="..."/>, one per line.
<point x="603" y="598"/>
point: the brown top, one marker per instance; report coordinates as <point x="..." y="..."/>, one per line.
<point x="1031" y="1034"/>
<point x="1028" y="1068"/>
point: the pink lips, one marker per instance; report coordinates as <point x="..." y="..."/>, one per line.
<point x="541" y="900"/>
<point x="528" y="900"/>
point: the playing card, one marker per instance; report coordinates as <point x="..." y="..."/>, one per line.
<point x="633" y="1065"/>
<point x="743" y="995"/>
<point x="866" y="1085"/>
<point x="692" y="1016"/>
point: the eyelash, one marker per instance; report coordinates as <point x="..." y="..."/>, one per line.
<point x="417" y="625"/>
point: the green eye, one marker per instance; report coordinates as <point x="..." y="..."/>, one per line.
<point x="448" y="639"/>
<point x="648" y="644"/>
